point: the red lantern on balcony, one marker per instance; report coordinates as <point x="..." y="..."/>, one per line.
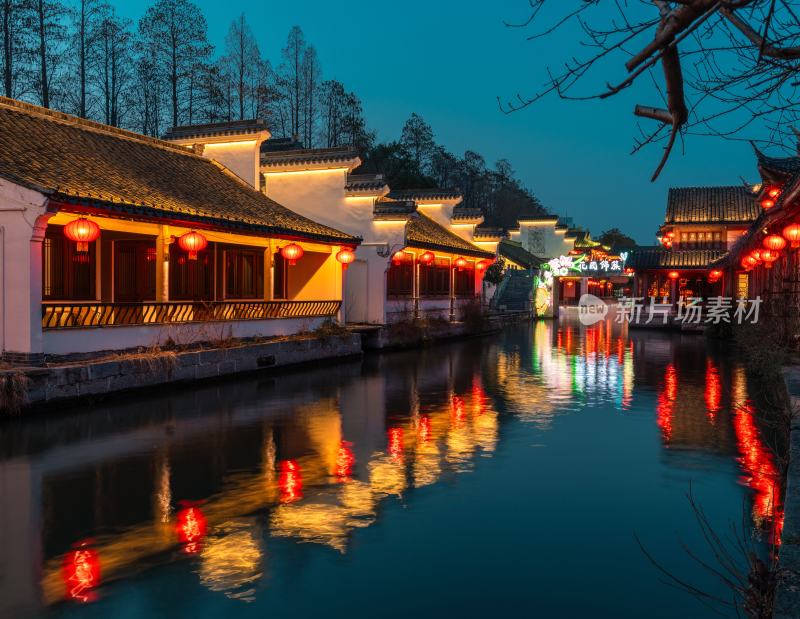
<point x="774" y="242"/>
<point x="192" y="242"/>
<point x="673" y="275"/>
<point x="768" y="256"/>
<point x="83" y="232"/>
<point x="292" y="252"/>
<point x="460" y="263"/>
<point x="346" y="256"/>
<point x="792" y="234"/>
<point x="773" y="191"/>
<point x="427" y="257"/>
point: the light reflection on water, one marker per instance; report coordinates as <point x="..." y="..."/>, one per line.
<point x="228" y="482"/>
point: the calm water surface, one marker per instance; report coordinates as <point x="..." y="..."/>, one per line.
<point x="506" y="476"/>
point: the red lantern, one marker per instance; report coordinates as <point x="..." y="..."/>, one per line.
<point x="292" y="252"/>
<point x="714" y="275"/>
<point x="749" y="261"/>
<point x="192" y="242"/>
<point x="767" y="203"/>
<point x="773" y="191"/>
<point x="674" y="275"/>
<point x="81" y="572"/>
<point x="756" y="255"/>
<point x="346" y="256"/>
<point x="83" y="232"/>
<point x="792" y="234"/>
<point x="460" y="263"/>
<point x="769" y="256"/>
<point x="427" y="257"/>
<point x="774" y="242"/>
<point x="484" y="264"/>
<point x="398" y="258"/>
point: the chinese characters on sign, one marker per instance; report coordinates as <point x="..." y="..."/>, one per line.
<point x="596" y="263"/>
<point x="691" y="310"/>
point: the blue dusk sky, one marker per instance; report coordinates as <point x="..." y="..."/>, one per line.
<point x="449" y="61"/>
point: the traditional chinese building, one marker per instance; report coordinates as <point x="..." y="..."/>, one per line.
<point x="112" y="240"/>
<point x="764" y="261"/>
<point x="700" y="226"/>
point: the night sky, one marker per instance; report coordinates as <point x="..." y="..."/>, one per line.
<point x="448" y="61"/>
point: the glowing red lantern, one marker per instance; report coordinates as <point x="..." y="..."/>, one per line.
<point x="346" y="256"/>
<point x="714" y="275"/>
<point x="398" y="257"/>
<point x="81" y="572"/>
<point x="290" y="481"/>
<point x="769" y="256"/>
<point x="774" y="242"/>
<point x="483" y="265"/>
<point x="773" y="191"/>
<point x="767" y="203"/>
<point x="192" y="242"/>
<point x="673" y="275"/>
<point x="83" y="232"/>
<point x="460" y="263"/>
<point x="792" y="234"/>
<point x="427" y="257"/>
<point x="756" y="255"/>
<point x="292" y="252"/>
<point x="749" y="261"/>
<point x="191" y="526"/>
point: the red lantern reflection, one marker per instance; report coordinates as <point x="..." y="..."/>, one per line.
<point x="344" y="461"/>
<point x="81" y="572"/>
<point x="290" y="481"/>
<point x="396" y="443"/>
<point x="191" y="526"/>
<point x="666" y="402"/>
<point x="761" y="472"/>
<point x="713" y="391"/>
<point x="424" y="429"/>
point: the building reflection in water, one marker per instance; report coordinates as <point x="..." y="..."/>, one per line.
<point x="309" y="457"/>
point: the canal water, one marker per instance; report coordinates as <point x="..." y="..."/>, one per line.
<point x="504" y="476"/>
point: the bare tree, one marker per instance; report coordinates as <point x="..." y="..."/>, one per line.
<point x="242" y="56"/>
<point x="725" y="64"/>
<point x="111" y="71"/>
<point x="49" y="29"/>
<point x="175" y="31"/>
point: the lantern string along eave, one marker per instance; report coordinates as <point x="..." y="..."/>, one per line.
<point x="192" y="243"/>
<point x="292" y="252"/>
<point x="345" y="256"/>
<point x="82" y="231"/>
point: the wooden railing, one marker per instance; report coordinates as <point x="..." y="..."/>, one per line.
<point x="65" y="315"/>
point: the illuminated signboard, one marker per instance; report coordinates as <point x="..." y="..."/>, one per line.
<point x="591" y="264"/>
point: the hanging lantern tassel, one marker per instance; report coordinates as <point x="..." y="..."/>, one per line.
<point x="345" y="256"/>
<point x="83" y="231"/>
<point x="192" y="243"/>
<point x="292" y="252"/>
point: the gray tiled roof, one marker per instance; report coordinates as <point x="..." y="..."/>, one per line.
<point x="236" y="127"/>
<point x="357" y="183"/>
<point x="735" y="204"/>
<point x="393" y="209"/>
<point x="777" y="166"/>
<point x="300" y="156"/>
<point x="660" y="258"/>
<point x="461" y="213"/>
<point x="517" y="253"/>
<point x="424" y="233"/>
<point x="88" y="164"/>
<point x="424" y="194"/>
